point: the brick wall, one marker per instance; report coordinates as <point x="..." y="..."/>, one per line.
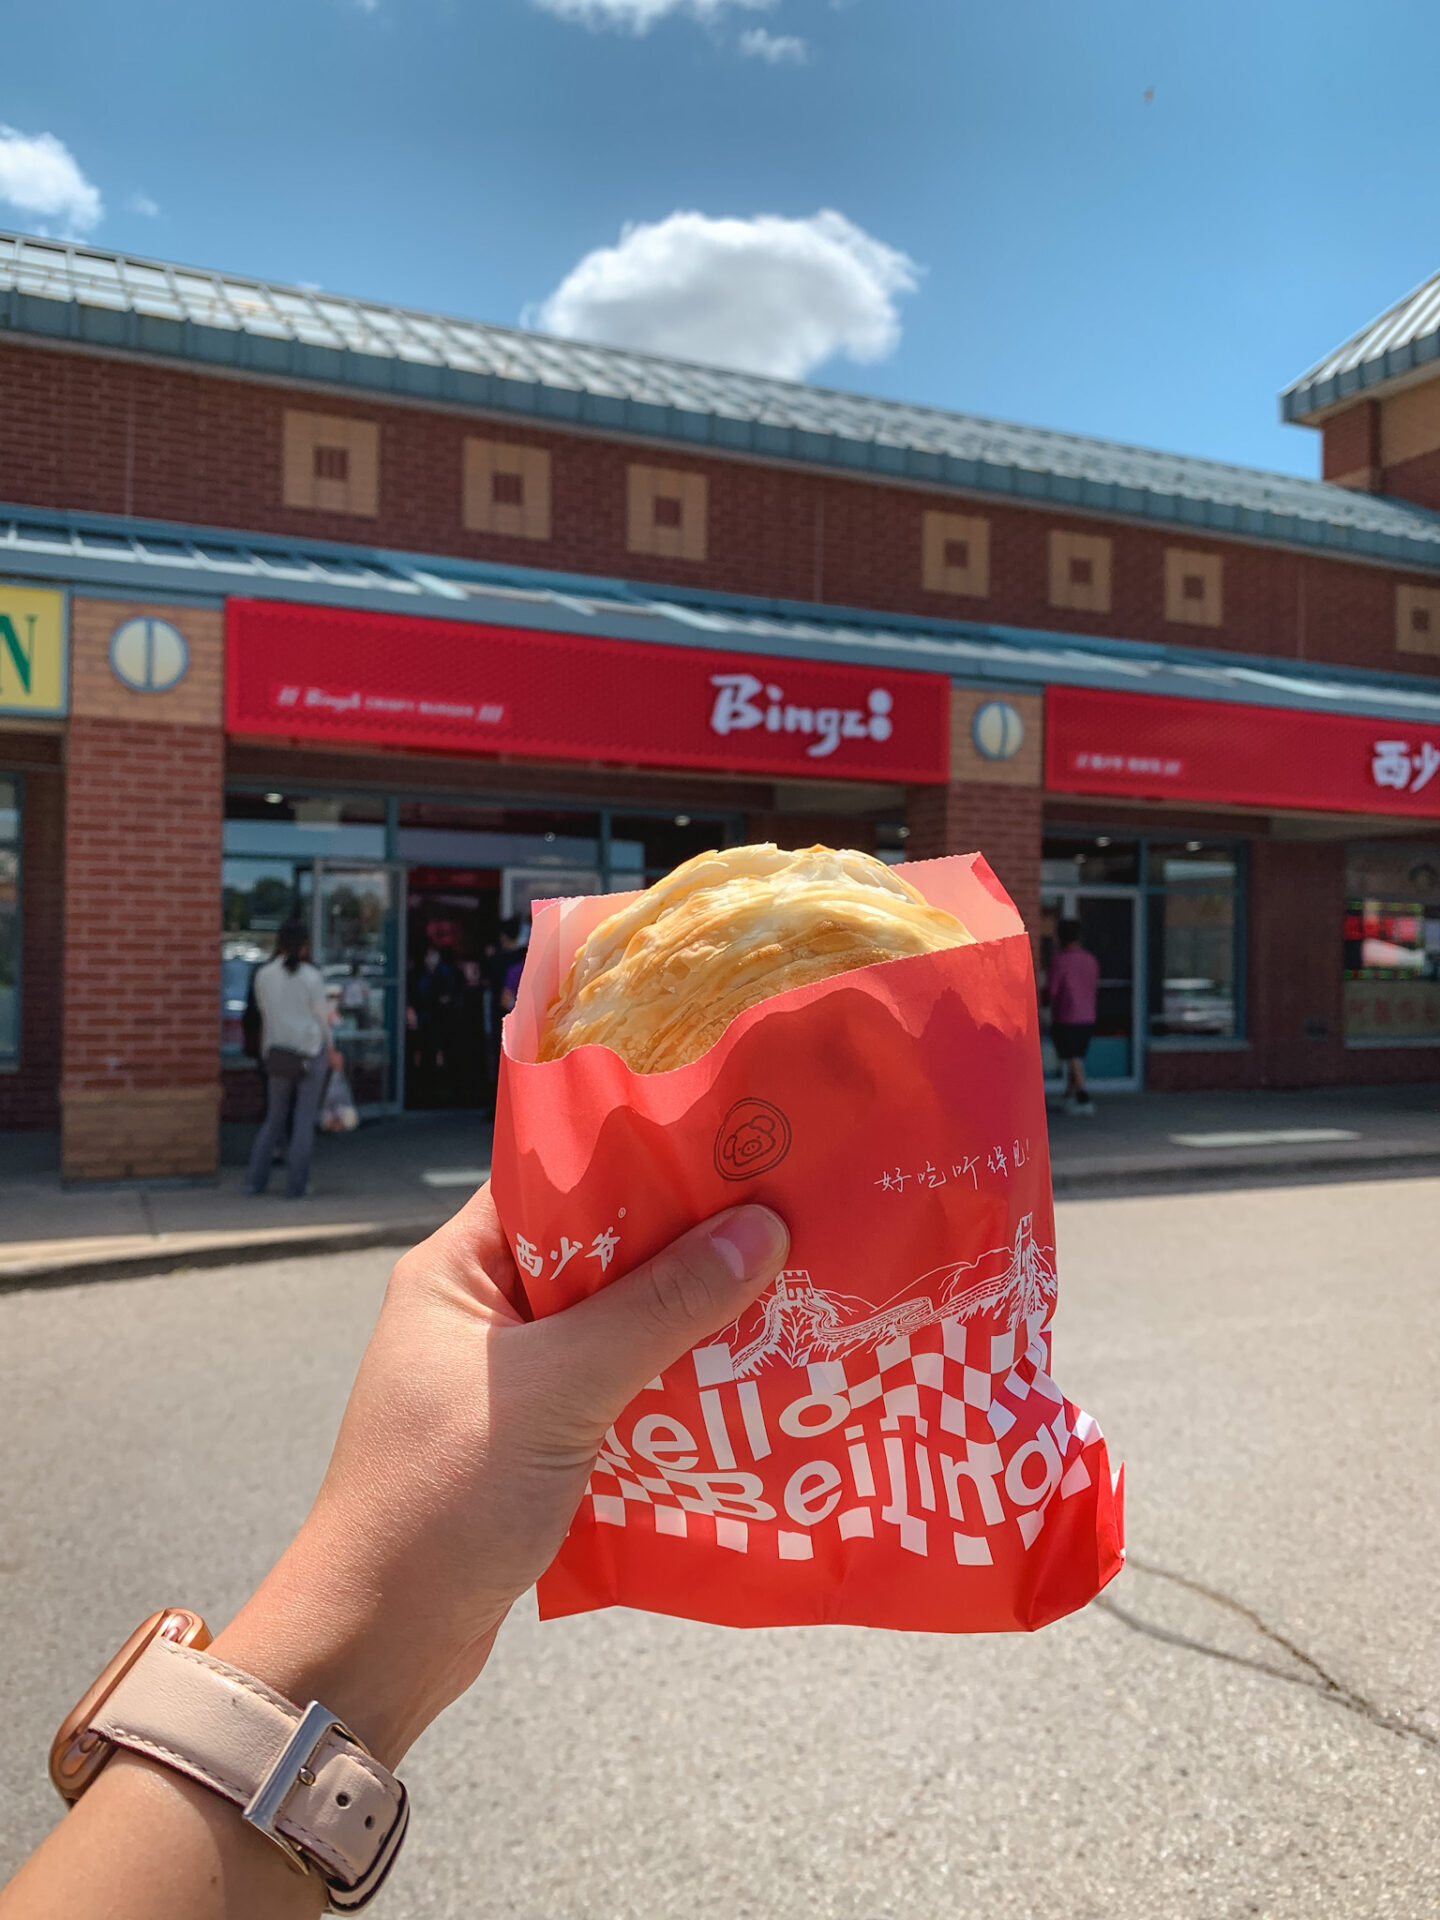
<point x="142" y="984"/>
<point x="29" y="1095"/>
<point x="78" y="430"/>
<point x="1417" y="480"/>
<point x="1350" y="445"/>
<point x="144" y="807"/>
<point x="1004" y="823"/>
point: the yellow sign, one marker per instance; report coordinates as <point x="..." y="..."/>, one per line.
<point x="32" y="650"/>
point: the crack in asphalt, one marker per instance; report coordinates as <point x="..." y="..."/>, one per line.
<point x="1315" y="1679"/>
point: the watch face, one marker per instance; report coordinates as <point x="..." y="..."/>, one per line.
<point x="77" y="1755"/>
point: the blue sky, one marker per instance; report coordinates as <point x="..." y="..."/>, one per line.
<point x="1022" y="233"/>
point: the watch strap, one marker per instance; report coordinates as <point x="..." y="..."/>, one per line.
<point x="299" y="1777"/>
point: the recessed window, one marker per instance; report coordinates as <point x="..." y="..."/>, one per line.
<point x="1420" y="620"/>
<point x="1193" y="588"/>
<point x="331" y="464"/>
<point x="506" y="489"/>
<point x="955" y="555"/>
<point x="667" y="513"/>
<point x="1080" y="572"/>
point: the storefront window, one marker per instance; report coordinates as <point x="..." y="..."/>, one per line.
<point x="405" y="906"/>
<point x="1392" y="944"/>
<point x="9" y="922"/>
<point x="1096" y="861"/>
<point x="1163" y="918"/>
<point x="1191" y="911"/>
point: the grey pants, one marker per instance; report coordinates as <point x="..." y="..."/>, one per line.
<point x="307" y="1093"/>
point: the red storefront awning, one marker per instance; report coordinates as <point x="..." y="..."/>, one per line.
<point x="448" y="686"/>
<point x="1153" y="748"/>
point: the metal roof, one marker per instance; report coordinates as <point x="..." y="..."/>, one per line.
<point x="100" y="553"/>
<point x="1406" y="337"/>
<point x="58" y="289"/>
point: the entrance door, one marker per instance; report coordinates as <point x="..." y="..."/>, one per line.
<point x="356" y="941"/>
<point x="1110" y="927"/>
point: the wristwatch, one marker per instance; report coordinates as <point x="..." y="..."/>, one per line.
<point x="299" y="1777"/>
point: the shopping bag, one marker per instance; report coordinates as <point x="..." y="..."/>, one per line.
<point x="337" y="1109"/>
<point x="879" y="1440"/>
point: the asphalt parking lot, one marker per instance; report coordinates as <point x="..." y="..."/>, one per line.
<point x="1247" y="1723"/>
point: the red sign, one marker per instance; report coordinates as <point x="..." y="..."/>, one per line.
<point x="317" y="673"/>
<point x="1134" y="743"/>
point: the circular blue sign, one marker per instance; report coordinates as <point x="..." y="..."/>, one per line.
<point x="997" y="730"/>
<point x="149" y="656"/>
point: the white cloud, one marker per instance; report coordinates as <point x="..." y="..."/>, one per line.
<point x="39" y="176"/>
<point x="768" y="295"/>
<point x="638" y="16"/>
<point x="777" y="49"/>
<point x="142" y="203"/>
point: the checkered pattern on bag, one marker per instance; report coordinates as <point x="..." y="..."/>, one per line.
<point x="957" y="1386"/>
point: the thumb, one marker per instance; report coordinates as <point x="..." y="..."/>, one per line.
<point x="612" y="1343"/>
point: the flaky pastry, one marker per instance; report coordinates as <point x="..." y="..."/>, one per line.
<point x="661" y="980"/>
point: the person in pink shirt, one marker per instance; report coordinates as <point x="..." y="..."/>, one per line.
<point x="1073" y="986"/>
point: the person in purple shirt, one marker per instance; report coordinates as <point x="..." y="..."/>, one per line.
<point x="1073" y="986"/>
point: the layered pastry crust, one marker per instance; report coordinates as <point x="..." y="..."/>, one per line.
<point x="661" y="980"/>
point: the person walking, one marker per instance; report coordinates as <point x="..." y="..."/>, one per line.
<point x="1074" y="987"/>
<point x="297" y="1055"/>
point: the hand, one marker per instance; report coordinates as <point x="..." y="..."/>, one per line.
<point x="464" y="1451"/>
<point x="337" y="1060"/>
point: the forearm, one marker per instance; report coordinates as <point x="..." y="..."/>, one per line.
<point x="147" y="1844"/>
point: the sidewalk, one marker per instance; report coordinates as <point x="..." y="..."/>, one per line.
<point x="388" y="1184"/>
<point x="394" y="1181"/>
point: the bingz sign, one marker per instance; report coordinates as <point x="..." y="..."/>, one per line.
<point x="1154" y="748"/>
<point x="448" y="686"/>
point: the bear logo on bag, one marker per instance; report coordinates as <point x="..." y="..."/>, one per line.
<point x="754" y="1137"/>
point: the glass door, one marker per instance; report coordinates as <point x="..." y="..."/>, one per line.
<point x="1110" y="927"/>
<point x="357" y="941"/>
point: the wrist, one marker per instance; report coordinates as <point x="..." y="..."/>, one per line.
<point x="314" y="1630"/>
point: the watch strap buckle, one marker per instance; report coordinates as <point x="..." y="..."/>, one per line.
<point x="293" y="1768"/>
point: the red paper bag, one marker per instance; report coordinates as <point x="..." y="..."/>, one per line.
<point x="878" y="1440"/>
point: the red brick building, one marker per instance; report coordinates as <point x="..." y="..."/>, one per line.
<point x="405" y="621"/>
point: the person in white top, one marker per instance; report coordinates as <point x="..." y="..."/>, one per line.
<point x="297" y="1053"/>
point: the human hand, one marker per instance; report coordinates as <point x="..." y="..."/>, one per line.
<point x="337" y="1060"/>
<point x="464" y="1451"/>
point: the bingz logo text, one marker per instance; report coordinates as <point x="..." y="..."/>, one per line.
<point x="736" y="711"/>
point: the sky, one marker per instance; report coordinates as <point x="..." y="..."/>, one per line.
<point x="1136" y="221"/>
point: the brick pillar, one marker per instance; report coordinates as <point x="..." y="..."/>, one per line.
<point x="995" y="807"/>
<point x="145" y="777"/>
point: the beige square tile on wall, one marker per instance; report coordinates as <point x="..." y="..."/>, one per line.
<point x="1194" y="588"/>
<point x="506" y="489"/>
<point x="1080" y="572"/>
<point x="1417" y="619"/>
<point x="332" y="464"/>
<point x="955" y="555"/>
<point x="666" y="513"/>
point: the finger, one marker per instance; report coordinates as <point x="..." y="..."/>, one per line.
<point x="607" y="1347"/>
<point x="471" y="1255"/>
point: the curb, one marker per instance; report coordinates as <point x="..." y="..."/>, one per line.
<point x="1094" y="1183"/>
<point x="1200" y="1176"/>
<point x="19" y="1275"/>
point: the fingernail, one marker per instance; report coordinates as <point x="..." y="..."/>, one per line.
<point x="750" y="1240"/>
